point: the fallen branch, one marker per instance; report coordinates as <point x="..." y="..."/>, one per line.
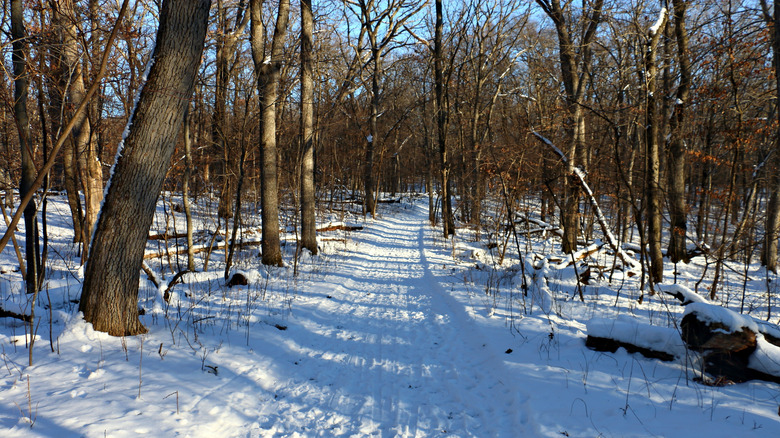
<point x="197" y="250"/>
<point x="8" y="314"/>
<point x="580" y="178"/>
<point x="339" y="228"/>
<point x="166" y="236"/>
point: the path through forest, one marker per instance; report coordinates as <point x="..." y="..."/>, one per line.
<point x="396" y="355"/>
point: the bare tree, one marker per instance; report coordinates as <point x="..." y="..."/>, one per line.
<point x="21" y="85"/>
<point x="653" y="124"/>
<point x="575" y="61"/>
<point x="83" y="151"/>
<point x="308" y="219"/>
<point x="110" y="295"/>
<point x="268" y="63"/>
<point x="677" y="206"/>
<point x="769" y="252"/>
<point x="382" y="23"/>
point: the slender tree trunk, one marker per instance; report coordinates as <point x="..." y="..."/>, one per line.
<point x="186" y="189"/>
<point x="21" y="86"/>
<point x="442" y="113"/>
<point x="308" y="219"/>
<point x="110" y="295"/>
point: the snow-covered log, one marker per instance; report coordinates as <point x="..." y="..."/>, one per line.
<point x="650" y="341"/>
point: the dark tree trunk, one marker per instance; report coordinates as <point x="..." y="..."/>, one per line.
<point x="21" y="86"/>
<point x="110" y="296"/>
<point x="448" y="223"/>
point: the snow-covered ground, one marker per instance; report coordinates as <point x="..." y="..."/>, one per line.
<point x="390" y="331"/>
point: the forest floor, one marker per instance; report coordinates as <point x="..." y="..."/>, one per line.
<point x="389" y="331"/>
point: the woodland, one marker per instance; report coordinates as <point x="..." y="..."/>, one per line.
<point x="389" y="217"/>
<point x="651" y="126"/>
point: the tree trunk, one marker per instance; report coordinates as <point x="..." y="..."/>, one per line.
<point x="267" y="67"/>
<point x="677" y="208"/>
<point x="769" y="251"/>
<point x="21" y="86"/>
<point x="185" y="190"/>
<point x="308" y="218"/>
<point x="83" y="146"/>
<point x="441" y="110"/>
<point x="575" y="62"/>
<point x="653" y="121"/>
<point x="110" y="296"/>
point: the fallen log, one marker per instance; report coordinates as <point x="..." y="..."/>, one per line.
<point x="339" y="228"/>
<point x="166" y="236"/>
<point x="9" y="314"/>
<point x="198" y="249"/>
<point x="650" y="341"/>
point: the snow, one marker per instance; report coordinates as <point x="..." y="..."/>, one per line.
<point x="625" y="329"/>
<point x="658" y="22"/>
<point x="711" y="313"/>
<point x="384" y="333"/>
<point x="766" y="358"/>
<point x="688" y="296"/>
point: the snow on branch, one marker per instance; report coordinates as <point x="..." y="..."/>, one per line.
<point x="658" y="22"/>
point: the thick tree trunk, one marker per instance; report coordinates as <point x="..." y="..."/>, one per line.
<point x="308" y="219"/>
<point x="110" y="296"/>
<point x="267" y="67"/>
<point x="21" y="86"/>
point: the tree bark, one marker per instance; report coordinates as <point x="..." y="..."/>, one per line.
<point x="308" y="219"/>
<point x="110" y="296"/>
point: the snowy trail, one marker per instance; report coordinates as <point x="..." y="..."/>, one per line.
<point x="410" y="362"/>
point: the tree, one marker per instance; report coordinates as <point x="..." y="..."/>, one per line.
<point x="769" y="251"/>
<point x="575" y="60"/>
<point x="382" y="23"/>
<point x="308" y="220"/>
<point x="442" y="115"/>
<point x="21" y="86"/>
<point x="268" y="63"/>
<point x="83" y="150"/>
<point x="677" y="207"/>
<point x="110" y="294"/>
<point x="653" y="124"/>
